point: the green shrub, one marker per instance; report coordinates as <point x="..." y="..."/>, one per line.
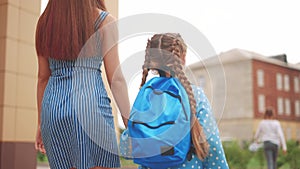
<point x="288" y="161"/>
<point x="293" y="154"/>
<point x="41" y="158"/>
<point x="237" y="156"/>
<point x="259" y="156"/>
<point x="281" y="160"/>
<point x="127" y="163"/>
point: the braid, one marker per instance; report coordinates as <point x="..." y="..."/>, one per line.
<point x="145" y="69"/>
<point x="167" y="58"/>
<point x="145" y="74"/>
<point x="198" y="136"/>
<point x="175" y="48"/>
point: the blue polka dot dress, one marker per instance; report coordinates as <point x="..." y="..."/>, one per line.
<point x="76" y="119"/>
<point x="216" y="158"/>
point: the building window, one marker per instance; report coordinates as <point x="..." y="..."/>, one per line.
<point x="280" y="106"/>
<point x="279" y="81"/>
<point x="260" y="78"/>
<point x="296" y="84"/>
<point x="287" y="107"/>
<point x="286" y="82"/>
<point x="261" y="103"/>
<point x="297" y="108"/>
<point x="202" y="81"/>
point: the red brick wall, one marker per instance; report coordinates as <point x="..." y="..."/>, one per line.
<point x="270" y="88"/>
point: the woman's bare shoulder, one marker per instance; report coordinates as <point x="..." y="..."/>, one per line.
<point x="109" y="19"/>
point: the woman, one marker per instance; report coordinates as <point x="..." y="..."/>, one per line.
<point x="165" y="55"/>
<point x="75" y="122"/>
<point x="270" y="133"/>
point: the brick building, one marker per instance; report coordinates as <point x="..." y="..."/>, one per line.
<point x="241" y="84"/>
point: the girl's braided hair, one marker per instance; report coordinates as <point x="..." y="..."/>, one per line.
<point x="165" y="53"/>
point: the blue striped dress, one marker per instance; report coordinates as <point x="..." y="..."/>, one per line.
<point x="76" y="120"/>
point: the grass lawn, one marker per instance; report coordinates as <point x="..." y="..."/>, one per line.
<point x="127" y="163"/>
<point x="254" y="164"/>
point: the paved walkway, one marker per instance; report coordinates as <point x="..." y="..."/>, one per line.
<point x="47" y="167"/>
<point x="42" y="167"/>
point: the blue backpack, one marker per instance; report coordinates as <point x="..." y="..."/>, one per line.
<point x="159" y="124"/>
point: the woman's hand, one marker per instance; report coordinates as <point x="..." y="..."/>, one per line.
<point x="39" y="145"/>
<point x="284" y="152"/>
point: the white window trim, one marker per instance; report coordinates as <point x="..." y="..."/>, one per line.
<point x="280" y="106"/>
<point x="260" y="77"/>
<point x="286" y="82"/>
<point x="261" y="103"/>
<point x="279" y="81"/>
<point x="297" y="108"/>
<point x="296" y="85"/>
<point x="287" y="105"/>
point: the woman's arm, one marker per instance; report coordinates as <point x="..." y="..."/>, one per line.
<point x="281" y="136"/>
<point x="43" y="77"/>
<point x="113" y="70"/>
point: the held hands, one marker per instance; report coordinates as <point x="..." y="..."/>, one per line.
<point x="39" y="145"/>
<point x="284" y="152"/>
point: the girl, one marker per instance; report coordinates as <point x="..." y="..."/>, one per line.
<point x="165" y="54"/>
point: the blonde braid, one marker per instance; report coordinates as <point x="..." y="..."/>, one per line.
<point x="198" y="135"/>
<point x="145" y="69"/>
<point x="171" y="47"/>
<point x="145" y="74"/>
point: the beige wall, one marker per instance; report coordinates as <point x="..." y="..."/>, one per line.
<point x="236" y="95"/>
<point x="245" y="128"/>
<point x="239" y="97"/>
<point x="113" y="7"/>
<point x="236" y="129"/>
<point x="18" y="83"/>
<point x="18" y="69"/>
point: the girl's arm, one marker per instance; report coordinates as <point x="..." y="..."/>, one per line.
<point x="216" y="157"/>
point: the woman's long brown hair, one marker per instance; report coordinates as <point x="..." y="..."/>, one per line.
<point x="65" y="26"/>
<point x="166" y="51"/>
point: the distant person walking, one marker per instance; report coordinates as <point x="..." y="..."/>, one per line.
<point x="270" y="133"/>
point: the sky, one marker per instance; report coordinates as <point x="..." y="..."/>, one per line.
<point x="267" y="27"/>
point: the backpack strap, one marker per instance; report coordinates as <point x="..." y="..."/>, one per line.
<point x="100" y="19"/>
<point x="190" y="153"/>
